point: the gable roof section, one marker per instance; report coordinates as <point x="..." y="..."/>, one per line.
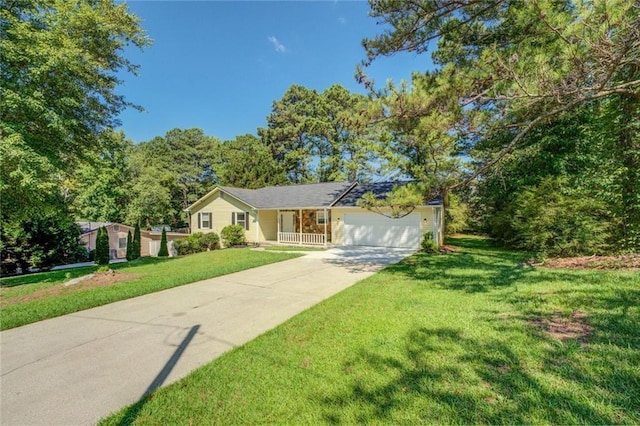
<point x="295" y="196"/>
<point x="380" y="190"/>
<point x="313" y="195"/>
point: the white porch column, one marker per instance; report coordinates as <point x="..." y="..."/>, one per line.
<point x="326" y="218"/>
<point x="434" y="225"/>
<point x="278" y="220"/>
<point x="300" y="227"/>
<point x="257" y="226"/>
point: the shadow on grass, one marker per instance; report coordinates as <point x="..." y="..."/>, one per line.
<point x="476" y="267"/>
<point x="133" y="411"/>
<point x="446" y="377"/>
<point x="612" y="310"/>
<point x="142" y="261"/>
<point x="42" y="277"/>
<point x="65" y="274"/>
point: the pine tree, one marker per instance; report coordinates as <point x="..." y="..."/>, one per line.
<point x="129" y="246"/>
<point x="102" y="247"/>
<point x="164" y="251"/>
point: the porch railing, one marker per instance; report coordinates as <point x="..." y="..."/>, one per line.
<point x="302" y="239"/>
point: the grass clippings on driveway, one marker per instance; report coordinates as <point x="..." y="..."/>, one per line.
<point x="464" y="338"/>
<point x="34" y="297"/>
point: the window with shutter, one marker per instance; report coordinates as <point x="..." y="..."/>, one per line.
<point x="242" y="219"/>
<point x="205" y="220"/>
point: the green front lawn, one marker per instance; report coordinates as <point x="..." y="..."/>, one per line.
<point x="20" y="305"/>
<point x="438" y="339"/>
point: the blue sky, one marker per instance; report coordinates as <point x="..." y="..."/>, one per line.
<point x="219" y="65"/>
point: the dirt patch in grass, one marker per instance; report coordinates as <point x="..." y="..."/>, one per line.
<point x="98" y="279"/>
<point x="629" y="262"/>
<point x="565" y="328"/>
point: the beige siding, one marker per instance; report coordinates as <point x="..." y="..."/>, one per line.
<point x="221" y="208"/>
<point x="337" y="221"/>
<point x="268" y="225"/>
<point x="337" y="224"/>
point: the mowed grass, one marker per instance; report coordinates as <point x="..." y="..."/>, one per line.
<point x="436" y="339"/>
<point x="150" y="275"/>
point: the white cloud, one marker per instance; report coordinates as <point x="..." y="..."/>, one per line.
<point x="280" y="48"/>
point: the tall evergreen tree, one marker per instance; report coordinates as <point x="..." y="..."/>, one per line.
<point x="129" y="246"/>
<point x="137" y="243"/>
<point x="102" y="246"/>
<point x="164" y="250"/>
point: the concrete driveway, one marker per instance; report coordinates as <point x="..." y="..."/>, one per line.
<point x="80" y="367"/>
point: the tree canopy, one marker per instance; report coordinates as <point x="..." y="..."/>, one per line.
<point x="58" y="73"/>
<point x="319" y="137"/>
<point x="504" y="69"/>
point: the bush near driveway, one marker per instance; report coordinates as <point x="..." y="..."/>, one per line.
<point x="472" y="337"/>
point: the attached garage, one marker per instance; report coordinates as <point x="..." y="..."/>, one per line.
<point x="371" y="229"/>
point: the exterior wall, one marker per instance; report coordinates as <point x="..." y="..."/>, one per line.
<point x="115" y="231"/>
<point x="268" y="225"/>
<point x="151" y="242"/>
<point x="427" y="215"/>
<point x="221" y="206"/>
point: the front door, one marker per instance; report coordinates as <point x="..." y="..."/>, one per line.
<point x="287" y="222"/>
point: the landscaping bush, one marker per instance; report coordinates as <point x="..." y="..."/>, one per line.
<point x="427" y="243"/>
<point x="196" y="243"/>
<point x="164" y="250"/>
<point x="211" y="241"/>
<point x="182" y="247"/>
<point x="233" y="235"/>
<point x="552" y="223"/>
<point x="102" y="247"/>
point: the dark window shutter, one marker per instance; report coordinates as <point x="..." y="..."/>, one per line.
<point x="199" y="221"/>
<point x="210" y="220"/>
<point x="233" y="218"/>
<point x="246" y="220"/>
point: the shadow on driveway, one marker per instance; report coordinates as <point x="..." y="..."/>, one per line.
<point x="363" y="258"/>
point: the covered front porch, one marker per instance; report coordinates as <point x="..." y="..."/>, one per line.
<point x="306" y="227"/>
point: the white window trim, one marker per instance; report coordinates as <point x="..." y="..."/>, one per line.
<point x="324" y="218"/>
<point x="202" y="220"/>
<point x="244" y="223"/>
<point x="125" y="242"/>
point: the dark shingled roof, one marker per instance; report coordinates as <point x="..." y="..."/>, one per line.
<point x="292" y="196"/>
<point x="380" y="190"/>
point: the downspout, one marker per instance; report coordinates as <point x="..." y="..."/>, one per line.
<point x="326" y="218"/>
<point x="257" y="226"/>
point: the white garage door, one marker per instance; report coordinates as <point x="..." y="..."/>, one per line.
<point x="372" y="229"/>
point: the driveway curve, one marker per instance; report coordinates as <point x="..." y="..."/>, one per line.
<point x="80" y="367"/>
